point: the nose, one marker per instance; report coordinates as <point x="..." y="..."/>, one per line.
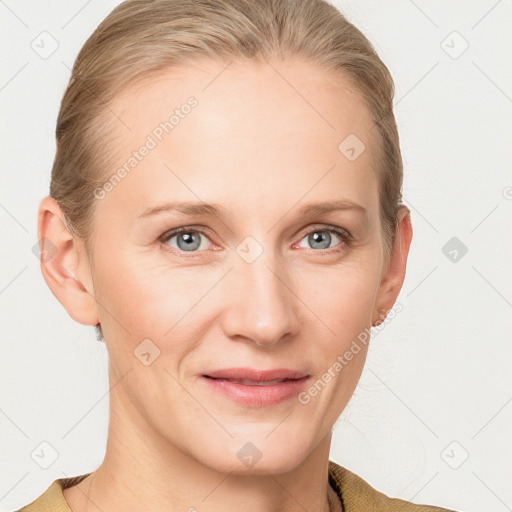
<point x="262" y="307"/>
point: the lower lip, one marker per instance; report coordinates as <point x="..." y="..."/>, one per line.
<point x="257" y="396"/>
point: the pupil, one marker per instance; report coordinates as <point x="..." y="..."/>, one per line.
<point x="189" y="239"/>
<point x="322" y="238"/>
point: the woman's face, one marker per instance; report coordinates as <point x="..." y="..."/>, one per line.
<point x="262" y="282"/>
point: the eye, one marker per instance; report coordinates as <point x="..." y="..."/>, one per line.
<point x="193" y="240"/>
<point x="187" y="239"/>
<point x="321" y="238"/>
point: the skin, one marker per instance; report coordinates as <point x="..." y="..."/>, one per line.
<point x="262" y="151"/>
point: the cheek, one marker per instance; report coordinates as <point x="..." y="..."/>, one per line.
<point x="154" y="302"/>
<point x="342" y="330"/>
<point x="342" y="299"/>
<point x="342" y="302"/>
<point x="144" y="295"/>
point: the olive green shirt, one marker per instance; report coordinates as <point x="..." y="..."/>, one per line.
<point x="355" y="495"/>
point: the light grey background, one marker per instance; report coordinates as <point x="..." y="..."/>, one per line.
<point x="437" y="385"/>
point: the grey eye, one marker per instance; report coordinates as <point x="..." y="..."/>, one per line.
<point x="320" y="238"/>
<point x="186" y="241"/>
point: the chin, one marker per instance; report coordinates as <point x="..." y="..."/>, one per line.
<point x="256" y="454"/>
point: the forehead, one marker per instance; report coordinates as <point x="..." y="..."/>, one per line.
<point x="252" y="125"/>
<point x="279" y="98"/>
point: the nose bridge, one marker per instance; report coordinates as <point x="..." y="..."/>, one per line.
<point x="262" y="307"/>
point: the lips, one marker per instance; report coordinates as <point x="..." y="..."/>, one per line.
<point x="256" y="388"/>
<point x="253" y="377"/>
<point x="247" y="382"/>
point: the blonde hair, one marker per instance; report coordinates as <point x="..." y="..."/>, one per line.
<point x="141" y="38"/>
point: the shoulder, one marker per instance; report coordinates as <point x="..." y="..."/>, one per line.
<point x="359" y="496"/>
<point x="53" y="499"/>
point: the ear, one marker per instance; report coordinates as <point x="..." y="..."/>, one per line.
<point x="394" y="274"/>
<point x="65" y="264"/>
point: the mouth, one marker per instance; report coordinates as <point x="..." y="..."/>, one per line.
<point x="256" y="388"/>
<point x="247" y="382"/>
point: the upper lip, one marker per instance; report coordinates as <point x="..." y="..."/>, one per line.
<point x="256" y="375"/>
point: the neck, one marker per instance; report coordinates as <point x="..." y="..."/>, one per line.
<point x="143" y="471"/>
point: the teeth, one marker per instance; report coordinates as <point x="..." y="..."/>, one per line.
<point x="254" y="383"/>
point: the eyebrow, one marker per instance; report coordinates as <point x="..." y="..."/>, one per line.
<point x="214" y="209"/>
<point x="188" y="208"/>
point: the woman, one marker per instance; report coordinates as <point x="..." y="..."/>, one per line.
<point x="225" y="207"/>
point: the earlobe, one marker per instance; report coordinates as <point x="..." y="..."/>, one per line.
<point x="64" y="264"/>
<point x="394" y="276"/>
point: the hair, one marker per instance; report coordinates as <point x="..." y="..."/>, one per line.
<point x="142" y="38"/>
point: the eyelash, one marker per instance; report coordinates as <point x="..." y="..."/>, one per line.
<point x="346" y="238"/>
